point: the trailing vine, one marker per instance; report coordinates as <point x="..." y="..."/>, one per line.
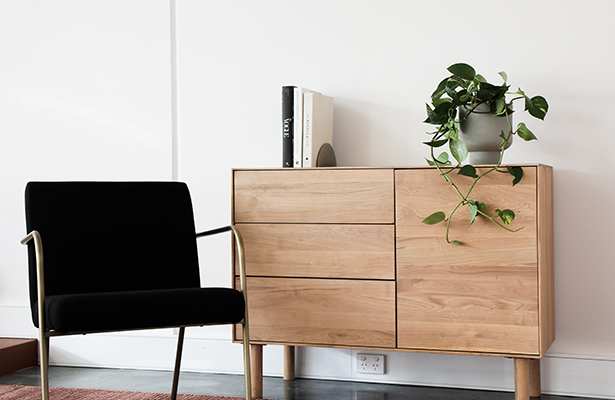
<point x="465" y="88"/>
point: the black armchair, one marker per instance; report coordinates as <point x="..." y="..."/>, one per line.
<point x="121" y="256"/>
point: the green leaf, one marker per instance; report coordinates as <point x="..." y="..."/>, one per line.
<point x="444" y="107"/>
<point x="452" y="85"/>
<point x="464" y="71"/>
<point x="434" y="118"/>
<point x="517" y="172"/>
<point x="480" y="206"/>
<point x="468" y="170"/>
<point x="435" y="218"/>
<point x="504" y="76"/>
<point x="521" y="92"/>
<point x="505" y="140"/>
<point x="539" y="107"/>
<point x="456" y="242"/>
<point x="507" y="215"/>
<point x="498" y="107"/>
<point x="442" y="159"/>
<point x="436" y="143"/>
<point x="475" y="207"/>
<point x="439" y="90"/>
<point x="460" y="97"/>
<point x="473" y="212"/>
<point x="439" y="101"/>
<point x="458" y="149"/>
<point x="524" y="133"/>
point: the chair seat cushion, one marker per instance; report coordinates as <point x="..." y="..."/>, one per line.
<point x="143" y="309"/>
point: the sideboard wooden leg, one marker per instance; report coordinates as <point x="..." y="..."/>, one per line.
<point x="534" y="371"/>
<point x="522" y="377"/>
<point x="256" y="354"/>
<point x="289" y="363"/>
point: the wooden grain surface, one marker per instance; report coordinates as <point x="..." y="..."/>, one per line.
<point x="314" y="196"/>
<point x="420" y="193"/>
<point x="546" y="258"/>
<point x="479" y="297"/>
<point x="474" y="309"/>
<point x="493" y="295"/>
<point x="320" y="250"/>
<point x="322" y="312"/>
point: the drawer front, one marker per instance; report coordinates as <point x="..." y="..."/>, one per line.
<point x="323" y="312"/>
<point x="478" y="297"/>
<point x="360" y="196"/>
<point x="319" y="251"/>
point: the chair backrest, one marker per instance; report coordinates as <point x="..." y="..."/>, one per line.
<point x="112" y="236"/>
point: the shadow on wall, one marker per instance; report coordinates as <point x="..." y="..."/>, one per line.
<point x="369" y="134"/>
<point x="584" y="273"/>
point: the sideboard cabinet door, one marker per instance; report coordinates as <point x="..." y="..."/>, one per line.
<point x="483" y="296"/>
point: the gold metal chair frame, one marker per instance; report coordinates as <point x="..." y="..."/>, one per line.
<point x="45" y="334"/>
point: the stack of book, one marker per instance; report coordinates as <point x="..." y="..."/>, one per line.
<point x="307" y="128"/>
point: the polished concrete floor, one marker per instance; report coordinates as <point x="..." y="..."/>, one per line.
<point x="232" y="385"/>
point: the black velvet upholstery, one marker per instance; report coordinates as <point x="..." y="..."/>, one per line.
<point x="121" y="255"/>
<point x="91" y="312"/>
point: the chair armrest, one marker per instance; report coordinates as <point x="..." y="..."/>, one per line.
<point x="40" y="276"/>
<point x="214" y="231"/>
<point x="242" y="264"/>
<point x="240" y="253"/>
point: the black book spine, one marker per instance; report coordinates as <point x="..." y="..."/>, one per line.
<point x="288" y="97"/>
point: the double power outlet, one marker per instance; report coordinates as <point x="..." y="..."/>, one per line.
<point x="370" y="363"/>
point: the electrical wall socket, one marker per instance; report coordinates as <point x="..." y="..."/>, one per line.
<point x="370" y="363"/>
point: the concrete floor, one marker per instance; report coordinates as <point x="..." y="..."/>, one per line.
<point x="232" y="385"/>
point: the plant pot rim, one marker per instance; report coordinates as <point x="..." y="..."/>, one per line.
<point x="475" y="110"/>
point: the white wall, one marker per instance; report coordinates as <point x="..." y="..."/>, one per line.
<point x="85" y="93"/>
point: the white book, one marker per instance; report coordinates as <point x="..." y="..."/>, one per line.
<point x="317" y="125"/>
<point x="298" y="126"/>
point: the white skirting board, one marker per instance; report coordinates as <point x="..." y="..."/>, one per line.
<point x="210" y="350"/>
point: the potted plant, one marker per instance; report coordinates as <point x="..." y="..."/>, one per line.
<point x="463" y="106"/>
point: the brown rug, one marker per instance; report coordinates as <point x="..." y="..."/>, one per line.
<point x="18" y="392"/>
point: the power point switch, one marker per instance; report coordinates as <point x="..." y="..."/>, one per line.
<point x="370" y="363"/>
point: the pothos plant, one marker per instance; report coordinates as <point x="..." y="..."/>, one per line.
<point x="465" y="88"/>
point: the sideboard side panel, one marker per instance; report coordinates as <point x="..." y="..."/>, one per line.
<point x="546" y="257"/>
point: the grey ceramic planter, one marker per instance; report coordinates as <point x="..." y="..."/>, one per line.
<point x="480" y="131"/>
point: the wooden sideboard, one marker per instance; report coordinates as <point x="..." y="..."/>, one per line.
<point x="339" y="257"/>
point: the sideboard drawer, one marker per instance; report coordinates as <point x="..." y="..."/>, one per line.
<point x="314" y="196"/>
<point x="319" y="250"/>
<point x="332" y="312"/>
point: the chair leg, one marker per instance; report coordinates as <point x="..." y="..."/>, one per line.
<point x="178" y="360"/>
<point x="246" y="360"/>
<point x="44" y="364"/>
